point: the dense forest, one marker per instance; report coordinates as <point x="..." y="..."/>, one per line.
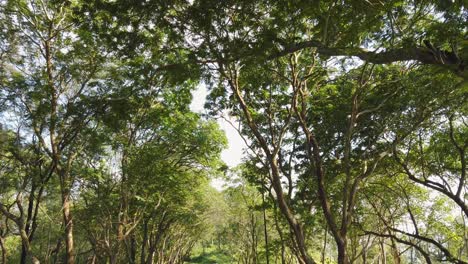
<point x="353" y="114"/>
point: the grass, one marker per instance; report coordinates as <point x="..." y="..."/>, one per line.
<point x="210" y="256"/>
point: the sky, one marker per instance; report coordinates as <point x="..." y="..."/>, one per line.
<point x="232" y="156"/>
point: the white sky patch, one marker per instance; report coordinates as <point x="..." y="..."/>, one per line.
<point x="199" y="99"/>
<point x="232" y="156"/>
<point x="235" y="151"/>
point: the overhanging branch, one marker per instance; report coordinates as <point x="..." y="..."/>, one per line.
<point x="425" y="55"/>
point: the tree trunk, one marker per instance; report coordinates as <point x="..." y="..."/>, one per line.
<point x="395" y="253"/>
<point x="150" y="256"/>
<point x="92" y="259"/>
<point x="286" y="211"/>
<point x="280" y="233"/>
<point x="151" y="251"/>
<point x="253" y="237"/>
<point x="4" y="250"/>
<point x="113" y="258"/>
<point x="342" y="255"/>
<point x="131" y="249"/>
<point x="383" y="254"/>
<point x="68" y="222"/>
<point x="144" y="242"/>
<point x="24" y="255"/>
<point x="324" y="251"/>
<point x="265" y="232"/>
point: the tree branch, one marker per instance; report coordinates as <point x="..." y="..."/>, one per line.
<point x="424" y="55"/>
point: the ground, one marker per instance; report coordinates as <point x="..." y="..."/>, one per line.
<point x="210" y="256"/>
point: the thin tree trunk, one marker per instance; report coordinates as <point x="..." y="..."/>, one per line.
<point x="144" y="242"/>
<point x="68" y="222"/>
<point x="28" y="220"/>
<point x="280" y="233"/>
<point x="56" y="153"/>
<point x="254" y="246"/>
<point x="395" y="253"/>
<point x="130" y="244"/>
<point x="4" y="250"/>
<point x="324" y="245"/>
<point x="113" y="258"/>
<point x="383" y="254"/>
<point x="24" y="255"/>
<point x="267" y="251"/>
<point x="92" y="259"/>
<point x="284" y="208"/>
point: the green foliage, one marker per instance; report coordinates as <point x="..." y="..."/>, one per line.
<point x="354" y="113"/>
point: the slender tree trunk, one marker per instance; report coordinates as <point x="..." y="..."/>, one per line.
<point x="24" y="255"/>
<point x="151" y="252"/>
<point x="395" y="253"/>
<point x="254" y="246"/>
<point x="130" y="244"/>
<point x="4" y="250"/>
<point x="150" y="259"/>
<point x="33" y="210"/>
<point x="267" y="251"/>
<point x="113" y="258"/>
<point x="324" y="251"/>
<point x="68" y="222"/>
<point x="23" y="235"/>
<point x="122" y="217"/>
<point x="280" y="233"/>
<point x="284" y="208"/>
<point x="56" y="152"/>
<point x="383" y="253"/>
<point x="144" y="242"/>
<point x="28" y="221"/>
<point x="56" y="250"/>
<point x="92" y="259"/>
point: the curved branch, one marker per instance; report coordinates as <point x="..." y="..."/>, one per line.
<point x="399" y="240"/>
<point x="424" y="55"/>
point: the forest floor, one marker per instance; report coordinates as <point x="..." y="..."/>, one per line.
<point x="210" y="256"/>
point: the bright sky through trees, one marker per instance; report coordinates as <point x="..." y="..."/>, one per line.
<point x="233" y="154"/>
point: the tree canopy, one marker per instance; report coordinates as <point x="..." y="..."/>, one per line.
<point x="353" y="114"/>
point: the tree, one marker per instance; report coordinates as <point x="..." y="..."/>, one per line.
<point x="250" y="84"/>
